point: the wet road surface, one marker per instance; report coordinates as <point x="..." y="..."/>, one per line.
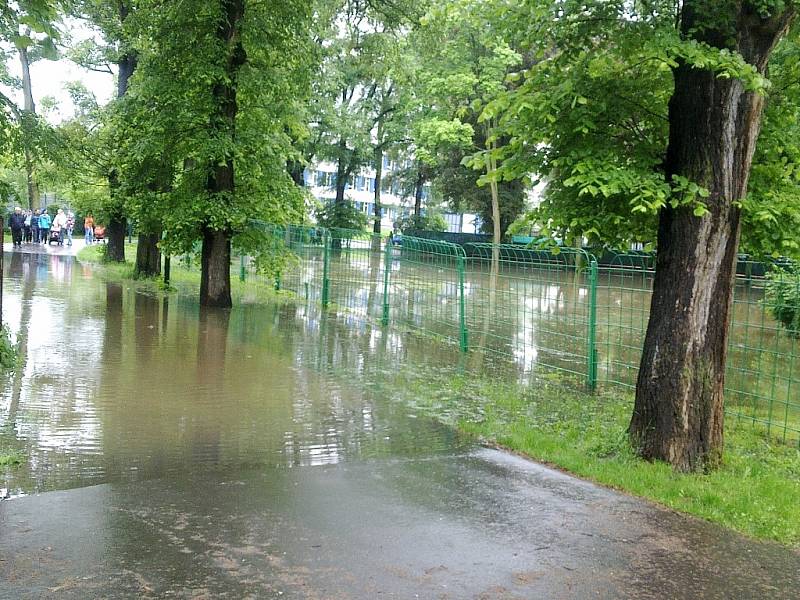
<point x="238" y="454"/>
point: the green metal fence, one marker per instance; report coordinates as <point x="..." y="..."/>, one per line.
<point x="534" y="306"/>
<point x="762" y="381"/>
<point x="425" y="288"/>
<point x="518" y="310"/>
<point x="356" y="272"/>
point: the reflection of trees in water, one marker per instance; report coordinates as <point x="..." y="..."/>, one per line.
<point x="212" y="347"/>
<point x="146" y="326"/>
<point x="21" y="269"/>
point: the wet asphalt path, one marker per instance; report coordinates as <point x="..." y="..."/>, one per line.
<point x="481" y="525"/>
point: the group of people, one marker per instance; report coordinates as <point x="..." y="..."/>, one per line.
<point x="35" y="227"/>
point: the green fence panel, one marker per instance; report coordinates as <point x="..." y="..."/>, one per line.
<point x="356" y="272"/>
<point x="424" y="287"/>
<point x="762" y="379"/>
<point x="530" y="308"/>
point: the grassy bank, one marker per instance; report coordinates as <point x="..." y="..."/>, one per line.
<point x="8" y="352"/>
<point x="254" y="290"/>
<point x="756" y="492"/>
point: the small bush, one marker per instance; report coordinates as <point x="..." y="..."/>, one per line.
<point x="783" y="300"/>
<point x="428" y="222"/>
<point x="8" y="353"/>
<point x="340" y="216"/>
<point x="10" y="458"/>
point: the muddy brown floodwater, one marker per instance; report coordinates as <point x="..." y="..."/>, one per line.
<point x="243" y="454"/>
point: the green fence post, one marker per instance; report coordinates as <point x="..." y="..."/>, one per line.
<point x="591" y="351"/>
<point x="242" y="272"/>
<point x="326" y="267"/>
<point x="387" y="269"/>
<point x="278" y="282"/>
<point x="462" y="306"/>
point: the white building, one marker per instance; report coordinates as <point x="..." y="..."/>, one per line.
<point x="320" y="179"/>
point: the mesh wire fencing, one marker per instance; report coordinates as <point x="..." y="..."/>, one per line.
<point x="762" y="381"/>
<point x="424" y="284"/>
<point x="519" y="311"/>
<point x="532" y="306"/>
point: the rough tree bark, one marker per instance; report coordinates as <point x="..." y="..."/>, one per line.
<point x="148" y="255"/>
<point x="714" y="125"/>
<point x="118" y="223"/>
<point x="148" y="252"/>
<point x="30" y="109"/>
<point x="418" y="188"/>
<point x="215" y="278"/>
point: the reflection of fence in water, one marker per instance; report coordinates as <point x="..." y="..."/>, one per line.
<point x="540" y="310"/>
<point x="530" y="305"/>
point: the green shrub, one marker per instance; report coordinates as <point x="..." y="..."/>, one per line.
<point x="340" y="216"/>
<point x="783" y="300"/>
<point x="8" y="353"/>
<point x="429" y="222"/>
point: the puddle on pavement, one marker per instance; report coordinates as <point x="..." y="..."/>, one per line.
<point x="121" y="385"/>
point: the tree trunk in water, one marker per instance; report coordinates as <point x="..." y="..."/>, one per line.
<point x="148" y="255"/>
<point x="215" y="279"/>
<point x="491" y="168"/>
<point x="118" y="224"/>
<point x="714" y="125"/>
<point x="115" y="234"/>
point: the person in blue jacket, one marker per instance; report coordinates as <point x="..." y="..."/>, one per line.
<point x="44" y="226"/>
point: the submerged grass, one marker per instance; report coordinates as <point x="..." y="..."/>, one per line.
<point x="10" y="458"/>
<point x="255" y="290"/>
<point x="756" y="491"/>
<point x="8" y="352"/>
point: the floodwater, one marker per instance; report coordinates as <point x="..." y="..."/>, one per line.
<point x="119" y="385"/>
<point x="243" y="454"/>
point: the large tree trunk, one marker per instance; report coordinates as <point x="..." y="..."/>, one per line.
<point x="215" y="278"/>
<point x="118" y="223"/>
<point x="714" y="125"/>
<point x="342" y="174"/>
<point x="148" y="255"/>
<point x="115" y="236"/>
<point x="418" y="187"/>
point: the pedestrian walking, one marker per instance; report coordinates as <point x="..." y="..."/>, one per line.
<point x="35" y="226"/>
<point x="17" y="224"/>
<point x="60" y="225"/>
<point x="69" y="227"/>
<point x="44" y="226"/>
<point x="26" y="236"/>
<point x="88" y="229"/>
